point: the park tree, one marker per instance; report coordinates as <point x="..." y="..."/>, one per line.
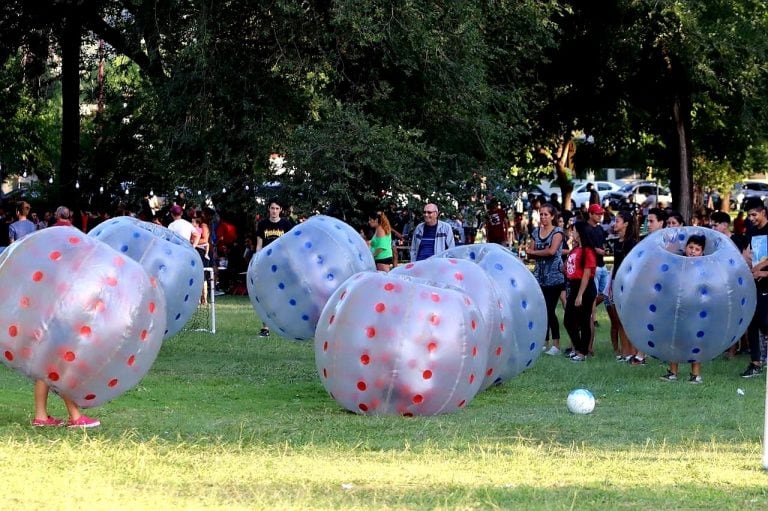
<point x="675" y="80"/>
<point x="447" y="90"/>
<point x="364" y="100"/>
<point x="60" y="28"/>
<point x="374" y="100"/>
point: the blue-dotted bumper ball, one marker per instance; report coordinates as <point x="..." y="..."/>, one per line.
<point x="291" y="279"/>
<point x="684" y="309"/>
<point x="165" y="256"/>
<point x="517" y="339"/>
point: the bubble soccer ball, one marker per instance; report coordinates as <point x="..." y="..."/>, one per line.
<point x="164" y="255"/>
<point x="472" y="280"/>
<point x="517" y="339"/>
<point x="75" y="313"/>
<point x="684" y="309"/>
<point x="290" y="280"/>
<point x="580" y="402"/>
<point x="392" y="344"/>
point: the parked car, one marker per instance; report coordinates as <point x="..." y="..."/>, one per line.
<point x="617" y="201"/>
<point x="537" y="191"/>
<point x="746" y="190"/>
<point x="641" y="191"/>
<point x="580" y="195"/>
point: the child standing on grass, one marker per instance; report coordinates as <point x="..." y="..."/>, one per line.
<point x="582" y="292"/>
<point x="694" y="247"/>
<point x="42" y="419"/>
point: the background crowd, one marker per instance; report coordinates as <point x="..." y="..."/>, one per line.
<point x="574" y="255"/>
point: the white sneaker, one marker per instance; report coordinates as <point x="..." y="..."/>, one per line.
<point x="554" y="350"/>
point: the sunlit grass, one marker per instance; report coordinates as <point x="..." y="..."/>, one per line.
<point x="233" y="421"/>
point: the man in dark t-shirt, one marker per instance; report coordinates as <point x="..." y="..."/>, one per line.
<point x="602" y="275"/>
<point x="272" y="227"/>
<point x="267" y="231"/>
<point x="758" y="226"/>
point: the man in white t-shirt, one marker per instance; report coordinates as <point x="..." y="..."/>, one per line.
<point x="182" y="227"/>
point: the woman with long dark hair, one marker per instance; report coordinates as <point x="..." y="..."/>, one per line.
<point x="582" y="292"/>
<point x="545" y="248"/>
<point x="624" y="227"/>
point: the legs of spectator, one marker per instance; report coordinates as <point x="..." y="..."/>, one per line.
<point x="759" y="323"/>
<point x="551" y="296"/>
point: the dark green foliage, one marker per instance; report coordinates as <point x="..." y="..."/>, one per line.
<point x="380" y="101"/>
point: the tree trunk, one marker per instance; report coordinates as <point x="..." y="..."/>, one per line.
<point x="564" y="169"/>
<point x="725" y="201"/>
<point x="682" y="177"/>
<point x="70" y="115"/>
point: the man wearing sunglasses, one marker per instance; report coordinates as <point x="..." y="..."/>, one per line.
<point x="431" y="236"/>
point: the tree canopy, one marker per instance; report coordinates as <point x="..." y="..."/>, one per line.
<point x="378" y="101"/>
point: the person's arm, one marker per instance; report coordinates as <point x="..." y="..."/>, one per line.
<point x="259" y="244"/>
<point x="415" y="241"/>
<point x="449" y="241"/>
<point x="585" y="278"/>
<point x="194" y="238"/>
<point x="758" y="270"/>
<point x="759" y="266"/>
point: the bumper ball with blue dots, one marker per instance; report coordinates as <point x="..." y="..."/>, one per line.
<point x="290" y="281"/>
<point x="165" y="256"/>
<point x="517" y="338"/>
<point x="684" y="309"/>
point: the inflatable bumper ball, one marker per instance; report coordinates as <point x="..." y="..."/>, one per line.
<point x="392" y="344"/>
<point x="290" y="280"/>
<point x="684" y="309"/>
<point x="79" y="315"/>
<point x="517" y="340"/>
<point x="164" y="255"/>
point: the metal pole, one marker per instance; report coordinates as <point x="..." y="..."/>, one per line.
<point x="212" y="287"/>
<point x="765" y="429"/>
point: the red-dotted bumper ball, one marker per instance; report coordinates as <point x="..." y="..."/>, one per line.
<point x="517" y="339"/>
<point x="472" y="280"/>
<point x="290" y="280"/>
<point x="164" y="255"/>
<point x="389" y="344"/>
<point x="684" y="309"/>
<point x="79" y="315"/>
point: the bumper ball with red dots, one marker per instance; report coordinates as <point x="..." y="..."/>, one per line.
<point x="389" y="344"/>
<point x="78" y="315"/>
<point x="482" y="292"/>
<point x="684" y="309"/>
<point x="164" y="255"/>
<point x="518" y="335"/>
<point x="291" y="279"/>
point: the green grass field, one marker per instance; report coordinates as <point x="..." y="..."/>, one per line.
<point x="234" y="421"/>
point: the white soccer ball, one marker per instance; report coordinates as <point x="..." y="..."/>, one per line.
<point x="580" y="402"/>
